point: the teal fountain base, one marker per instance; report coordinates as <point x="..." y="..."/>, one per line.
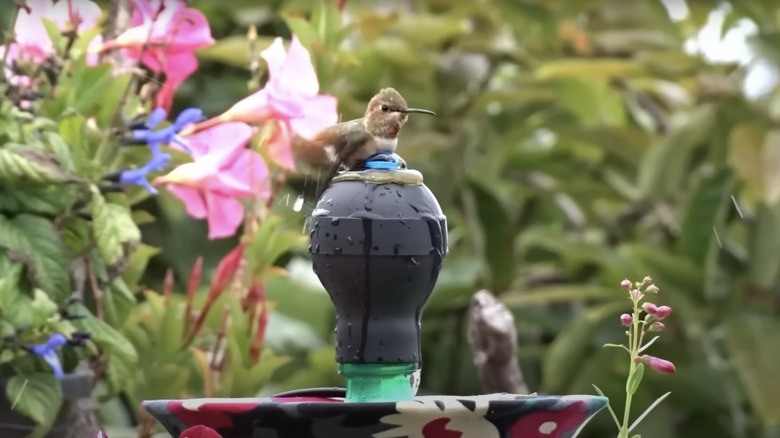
<point x="482" y="416"/>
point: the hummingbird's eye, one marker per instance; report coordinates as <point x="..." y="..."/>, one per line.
<point x="385" y="108"/>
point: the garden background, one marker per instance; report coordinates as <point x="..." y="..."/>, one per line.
<point x="576" y="143"/>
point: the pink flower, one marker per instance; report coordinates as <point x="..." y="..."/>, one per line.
<point x="290" y="97"/>
<point x="626" y="320"/>
<point x="223" y="170"/>
<point x="650" y="308"/>
<point x="625" y="284"/>
<point x="656" y="327"/>
<point x="657" y="364"/>
<point x="172" y="32"/>
<point x="32" y="42"/>
<point x="662" y="312"/>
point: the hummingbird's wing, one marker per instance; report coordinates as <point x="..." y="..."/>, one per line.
<point x="346" y="146"/>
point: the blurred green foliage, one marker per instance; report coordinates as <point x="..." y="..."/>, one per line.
<point x="577" y="143"/>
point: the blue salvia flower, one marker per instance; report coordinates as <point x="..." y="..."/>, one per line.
<point x="48" y="352"/>
<point x="146" y="135"/>
<point x="138" y="176"/>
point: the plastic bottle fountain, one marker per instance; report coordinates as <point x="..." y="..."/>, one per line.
<point x="378" y="241"/>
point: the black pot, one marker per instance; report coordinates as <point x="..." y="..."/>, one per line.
<point x="76" y="387"/>
<point x="378" y="241"/>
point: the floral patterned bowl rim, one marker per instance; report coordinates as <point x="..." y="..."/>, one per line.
<point x="481" y="416"/>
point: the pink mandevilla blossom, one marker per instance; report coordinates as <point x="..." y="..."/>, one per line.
<point x="32" y="43"/>
<point x="223" y="170"/>
<point x="173" y="32"/>
<point x="290" y="98"/>
<point x="657" y="364"/>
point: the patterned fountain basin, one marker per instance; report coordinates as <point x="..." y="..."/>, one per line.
<point x="481" y="416"/>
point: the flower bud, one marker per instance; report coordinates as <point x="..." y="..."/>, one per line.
<point x="625" y="284"/>
<point x="647" y="280"/>
<point x="626" y="320"/>
<point x="656" y="364"/>
<point x="652" y="289"/>
<point x="636" y="294"/>
<point x="656" y="327"/>
<point x="662" y="312"/>
<point x="650" y="308"/>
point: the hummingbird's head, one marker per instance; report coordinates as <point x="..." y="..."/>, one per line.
<point x="387" y="113"/>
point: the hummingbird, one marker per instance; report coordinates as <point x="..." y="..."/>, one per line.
<point x="349" y="144"/>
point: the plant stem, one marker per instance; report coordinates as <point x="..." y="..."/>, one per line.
<point x="634" y="339"/>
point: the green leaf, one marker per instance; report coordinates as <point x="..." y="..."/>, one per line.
<point x="26" y="165"/>
<point x="635" y="379"/>
<point x="37" y="396"/>
<point x="301" y="28"/>
<point x="33" y="241"/>
<point x="764" y="247"/>
<point x="120" y="374"/>
<point x="706" y="210"/>
<point x="590" y="68"/>
<point x="595" y="103"/>
<point x="165" y="381"/>
<point x="136" y="266"/>
<point x="142" y="217"/>
<point x="648" y="344"/>
<point x="666" y="165"/>
<point x="71" y="129"/>
<point x="750" y="340"/>
<point x="43" y="308"/>
<point x="608" y="345"/>
<point x="647" y="411"/>
<point x="60" y="149"/>
<point x="9" y="284"/>
<point x="234" y="50"/>
<point x="112" y="226"/>
<point x="91" y="87"/>
<point x="38" y="199"/>
<point x="171" y="332"/>
<point x="498" y="235"/>
<point x="430" y="30"/>
<point x="609" y="407"/>
<point x="104" y="335"/>
<point x="558" y="294"/>
<point x="326" y="19"/>
<point x="745" y="155"/>
<point x="269" y="242"/>
<point x="118" y="302"/>
<point x="562" y="360"/>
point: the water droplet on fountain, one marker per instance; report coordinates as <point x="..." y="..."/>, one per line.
<point x="298" y="204"/>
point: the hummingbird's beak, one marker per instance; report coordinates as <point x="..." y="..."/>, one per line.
<point x="418" y="110"/>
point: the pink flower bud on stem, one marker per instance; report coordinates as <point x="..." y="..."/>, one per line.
<point x="625" y="284"/>
<point x="662" y="312"/>
<point x="652" y="289"/>
<point x="656" y="327"/>
<point x="656" y="364"/>
<point x="647" y="280"/>
<point x="626" y="320"/>
<point x="650" y="308"/>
